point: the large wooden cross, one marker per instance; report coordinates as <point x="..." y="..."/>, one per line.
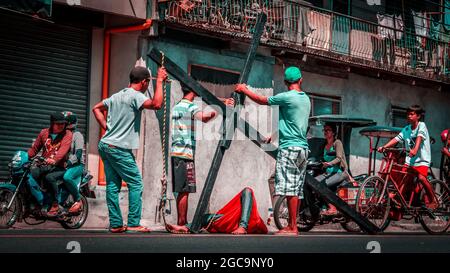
<point x="230" y="121"/>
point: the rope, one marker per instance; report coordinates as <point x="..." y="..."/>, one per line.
<point x="162" y="204"/>
<point x="210" y="222"/>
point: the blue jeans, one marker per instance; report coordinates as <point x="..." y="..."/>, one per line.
<point x="120" y="165"/>
<point x="72" y="181"/>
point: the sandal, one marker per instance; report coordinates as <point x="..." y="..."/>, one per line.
<point x="138" y="229"/>
<point x="118" y="229"/>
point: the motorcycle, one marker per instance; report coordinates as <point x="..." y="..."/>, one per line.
<point x="17" y="203"/>
<point x="311" y="208"/>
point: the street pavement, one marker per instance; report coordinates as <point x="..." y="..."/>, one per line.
<point x="324" y="239"/>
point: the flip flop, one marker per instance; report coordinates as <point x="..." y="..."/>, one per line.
<point x="138" y="229"/>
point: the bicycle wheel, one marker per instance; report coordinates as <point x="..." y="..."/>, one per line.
<point x="438" y="221"/>
<point x="77" y="221"/>
<point x="281" y="216"/>
<point x="8" y="217"/>
<point x="373" y="203"/>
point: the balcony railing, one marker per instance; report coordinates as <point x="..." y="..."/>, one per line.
<point x="308" y="27"/>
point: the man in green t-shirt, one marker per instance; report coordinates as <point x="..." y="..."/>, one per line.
<point x="294" y="107"/>
<point x="122" y="127"/>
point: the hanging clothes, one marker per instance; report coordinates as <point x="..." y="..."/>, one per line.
<point x="373" y="2"/>
<point x="295" y="23"/>
<point x="435" y="28"/>
<point x="388" y="23"/>
<point x="420" y="25"/>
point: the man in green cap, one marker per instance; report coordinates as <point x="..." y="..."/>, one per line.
<point x="294" y="107"/>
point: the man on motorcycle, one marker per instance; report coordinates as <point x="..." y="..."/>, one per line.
<point x="55" y="143"/>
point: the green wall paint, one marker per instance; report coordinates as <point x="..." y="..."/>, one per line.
<point x="184" y="54"/>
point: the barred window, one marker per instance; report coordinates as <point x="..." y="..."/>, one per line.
<point x="324" y="105"/>
<point x="398" y="116"/>
<point x="219" y="81"/>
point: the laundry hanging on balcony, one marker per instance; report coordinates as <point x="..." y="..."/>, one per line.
<point x="373" y="2"/>
<point x="421" y="27"/>
<point x="388" y="23"/>
<point x="296" y="23"/>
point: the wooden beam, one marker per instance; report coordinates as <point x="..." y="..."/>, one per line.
<point x="243" y="78"/>
<point x="179" y="74"/>
<point x="230" y="126"/>
<point x="341" y="205"/>
<point x="248" y="130"/>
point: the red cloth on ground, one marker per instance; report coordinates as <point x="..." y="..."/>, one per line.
<point x="232" y="215"/>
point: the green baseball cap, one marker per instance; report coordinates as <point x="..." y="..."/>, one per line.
<point x="292" y="74"/>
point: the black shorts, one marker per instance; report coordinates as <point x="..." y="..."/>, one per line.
<point x="183" y="175"/>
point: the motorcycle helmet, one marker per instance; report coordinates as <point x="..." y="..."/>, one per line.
<point x="71" y="119"/>
<point x="444" y="135"/>
<point x="57" y="117"/>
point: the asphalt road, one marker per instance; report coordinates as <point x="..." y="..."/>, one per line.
<point x="100" y="241"/>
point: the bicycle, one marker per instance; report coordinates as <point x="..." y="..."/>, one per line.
<point x="396" y="193"/>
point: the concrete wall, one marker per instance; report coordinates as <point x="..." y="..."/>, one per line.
<point x="372" y="98"/>
<point x="119" y="7"/>
<point x="244" y="163"/>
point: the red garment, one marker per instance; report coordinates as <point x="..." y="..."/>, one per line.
<point x="232" y="215"/>
<point x="423" y="170"/>
<point x="57" y="149"/>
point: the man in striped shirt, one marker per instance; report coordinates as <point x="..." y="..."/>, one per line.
<point x="182" y="153"/>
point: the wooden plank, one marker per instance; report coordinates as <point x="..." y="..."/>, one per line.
<point x="243" y="78"/>
<point x="230" y="127"/>
<point x="184" y="78"/>
<point x="209" y="98"/>
<point x="340" y="204"/>
<point x="248" y="130"/>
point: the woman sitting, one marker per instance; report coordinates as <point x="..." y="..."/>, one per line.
<point x="334" y="163"/>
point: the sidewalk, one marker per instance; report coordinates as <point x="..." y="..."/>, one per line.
<point x="394" y="226"/>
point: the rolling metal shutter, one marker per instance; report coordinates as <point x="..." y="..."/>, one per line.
<point x="44" y="68"/>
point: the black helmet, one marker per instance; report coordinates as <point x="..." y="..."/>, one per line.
<point x="71" y="119"/>
<point x="57" y="117"/>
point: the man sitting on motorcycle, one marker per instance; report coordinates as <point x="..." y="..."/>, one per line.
<point x="55" y="143"/>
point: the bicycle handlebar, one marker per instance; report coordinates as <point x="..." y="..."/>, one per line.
<point x="394" y="149"/>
